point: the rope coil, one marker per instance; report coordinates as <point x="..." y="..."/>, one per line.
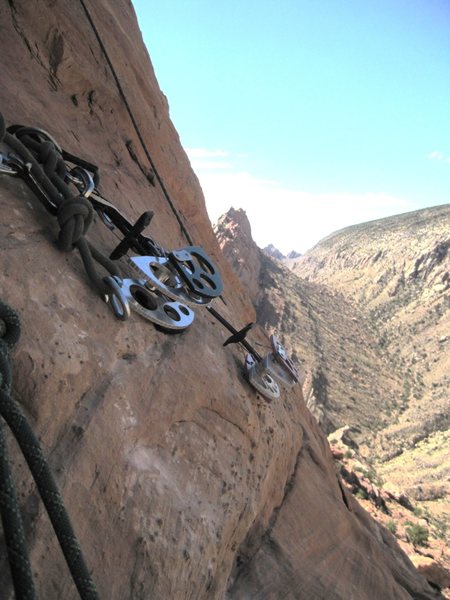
<point x="31" y="449"/>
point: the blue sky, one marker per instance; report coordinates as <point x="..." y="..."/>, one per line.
<point x="311" y="115"/>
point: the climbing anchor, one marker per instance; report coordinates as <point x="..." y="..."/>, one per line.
<point x="276" y="367"/>
<point x="133" y="294"/>
<point x="163" y="286"/>
<point x="263" y="373"/>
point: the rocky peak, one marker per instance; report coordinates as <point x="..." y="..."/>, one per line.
<point x="235" y="220"/>
<point x="234" y="234"/>
<point x="270" y="250"/>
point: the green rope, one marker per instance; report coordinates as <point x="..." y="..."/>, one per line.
<point x="46" y="485"/>
<point x="13" y="528"/>
<point x="9" y="507"/>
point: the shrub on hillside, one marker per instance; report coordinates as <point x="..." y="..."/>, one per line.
<point x="417" y="535"/>
<point x="392" y="526"/>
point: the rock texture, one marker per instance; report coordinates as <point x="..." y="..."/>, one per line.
<point x="234" y="235"/>
<point x="181" y="482"/>
<point x="420" y="534"/>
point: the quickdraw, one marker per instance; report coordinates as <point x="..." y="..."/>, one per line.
<point x="164" y="286"/>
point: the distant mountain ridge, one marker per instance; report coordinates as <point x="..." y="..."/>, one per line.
<point x="272" y="251"/>
<point x="396" y="270"/>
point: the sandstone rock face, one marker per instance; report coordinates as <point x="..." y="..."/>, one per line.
<point x="180" y="480"/>
<point x="433" y="571"/>
<point x="234" y="235"/>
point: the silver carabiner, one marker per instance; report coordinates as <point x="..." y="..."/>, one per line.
<point x="5" y="167"/>
<point x="117" y="300"/>
<point x="82" y="179"/>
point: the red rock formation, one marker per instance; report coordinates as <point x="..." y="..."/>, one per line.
<point x="234" y="235"/>
<point x="181" y="481"/>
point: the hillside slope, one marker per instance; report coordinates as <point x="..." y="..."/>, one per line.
<point x="397" y="272"/>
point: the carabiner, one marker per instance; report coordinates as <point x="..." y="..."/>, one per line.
<point x="82" y="179"/>
<point x="117" y="299"/>
<point x="5" y="168"/>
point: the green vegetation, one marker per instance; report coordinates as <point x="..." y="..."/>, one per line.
<point x="417" y="535"/>
<point x="442" y="528"/>
<point x="392" y="526"/>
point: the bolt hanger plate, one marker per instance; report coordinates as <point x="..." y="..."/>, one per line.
<point x="280" y="365"/>
<point x="260" y="379"/>
<point x="158" y="273"/>
<point x="153" y="306"/>
<point x="197" y="271"/>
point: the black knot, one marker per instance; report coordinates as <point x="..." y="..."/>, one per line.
<point x="9" y="335"/>
<point x="74" y="217"/>
<point x="51" y="159"/>
<point x="2" y="127"/>
<point x="48" y="157"/>
<point x="10" y="325"/>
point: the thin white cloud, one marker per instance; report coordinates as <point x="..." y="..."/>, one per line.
<point x="436" y="155"/>
<point x="205" y="153"/>
<point x="292" y="219"/>
<point x="208" y="165"/>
